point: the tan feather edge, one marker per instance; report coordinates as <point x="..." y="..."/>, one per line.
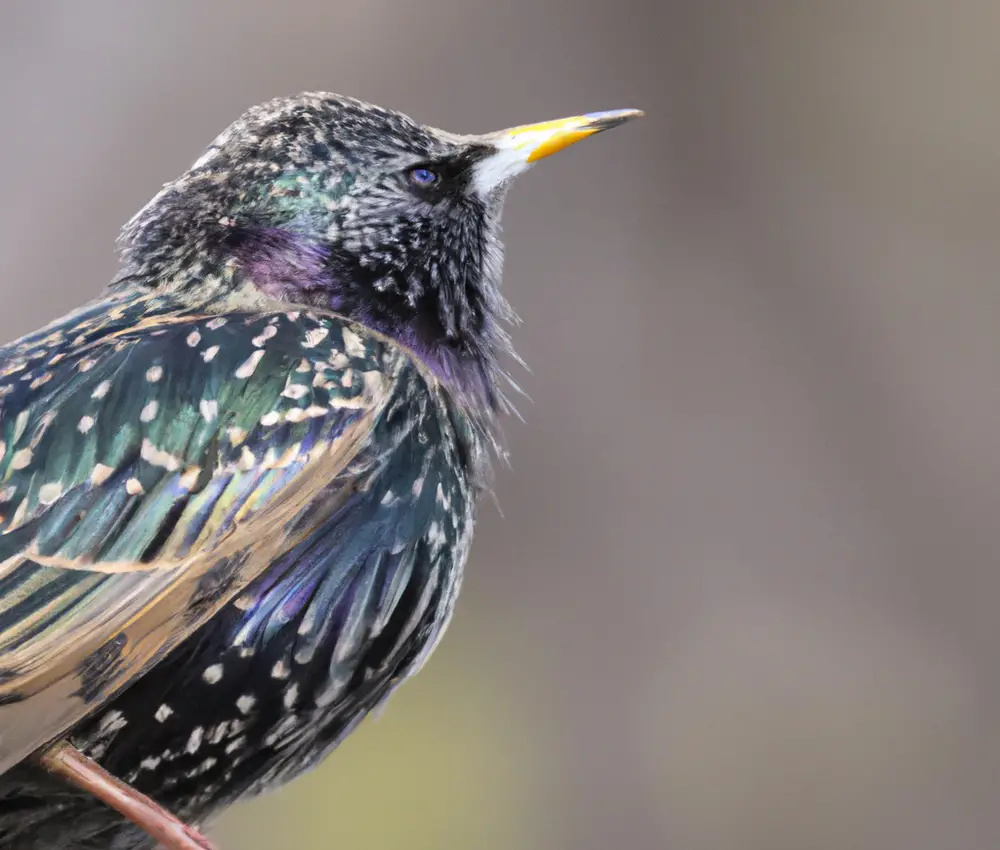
<point x="51" y="678"/>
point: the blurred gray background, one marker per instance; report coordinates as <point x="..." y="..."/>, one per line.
<point x="743" y="595"/>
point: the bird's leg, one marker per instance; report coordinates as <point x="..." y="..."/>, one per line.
<point x="69" y="764"/>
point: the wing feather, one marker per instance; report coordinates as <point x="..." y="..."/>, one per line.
<point x="147" y="475"/>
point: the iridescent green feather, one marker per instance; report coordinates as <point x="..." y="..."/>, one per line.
<point x="139" y="441"/>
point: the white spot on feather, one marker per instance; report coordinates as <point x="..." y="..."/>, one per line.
<point x="100" y="473"/>
<point x="157" y="457"/>
<point x="353" y="344"/>
<point x="435" y="536"/>
<point x="20" y="423"/>
<point x="111" y="722"/>
<point x="295" y="391"/>
<point x="154" y="373"/>
<point x="340" y="403"/>
<point x="148" y="413"/>
<point x="49" y="493"/>
<point x="101" y="389"/>
<point x="209" y="408"/>
<point x="268" y="332"/>
<point x="85" y="424"/>
<point x="209" y="353"/>
<point x="194" y="741"/>
<point x="315" y="336"/>
<point x="212" y="674"/>
<point x="245" y="703"/>
<point x="247" y="460"/>
<point x="193" y="338"/>
<point x="21" y="459"/>
<point x="249" y="365"/>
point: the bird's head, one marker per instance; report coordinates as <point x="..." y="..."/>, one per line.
<point x="327" y="201"/>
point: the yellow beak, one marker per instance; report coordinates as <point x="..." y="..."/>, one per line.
<point x="519" y="148"/>
<point x="549" y="137"/>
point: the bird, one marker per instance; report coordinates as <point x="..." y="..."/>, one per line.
<point x="238" y="487"/>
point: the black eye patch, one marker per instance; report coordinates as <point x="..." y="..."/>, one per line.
<point x="448" y="176"/>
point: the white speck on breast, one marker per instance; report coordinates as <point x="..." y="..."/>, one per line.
<point x="163" y="712"/>
<point x="218" y="732"/>
<point x="212" y="674"/>
<point x="194" y="741"/>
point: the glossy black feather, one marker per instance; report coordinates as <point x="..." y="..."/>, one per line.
<point x="237" y="492"/>
<point x="277" y="677"/>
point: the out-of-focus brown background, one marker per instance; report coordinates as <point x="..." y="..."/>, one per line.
<point x="744" y="593"/>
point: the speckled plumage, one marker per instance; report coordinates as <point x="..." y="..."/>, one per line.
<point x="237" y="491"/>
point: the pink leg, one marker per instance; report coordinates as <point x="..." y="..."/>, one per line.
<point x="68" y="763"/>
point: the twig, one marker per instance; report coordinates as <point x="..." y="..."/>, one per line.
<point x="67" y="762"/>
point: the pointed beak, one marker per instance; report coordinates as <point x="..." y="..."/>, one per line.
<point x="518" y="148"/>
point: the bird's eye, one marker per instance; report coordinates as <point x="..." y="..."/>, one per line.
<point x="423" y="176"/>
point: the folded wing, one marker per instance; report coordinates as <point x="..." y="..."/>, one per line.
<point x="148" y="473"/>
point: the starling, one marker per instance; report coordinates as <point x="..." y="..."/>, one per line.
<point x="237" y="490"/>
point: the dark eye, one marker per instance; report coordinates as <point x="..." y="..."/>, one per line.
<point x="423" y="176"/>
